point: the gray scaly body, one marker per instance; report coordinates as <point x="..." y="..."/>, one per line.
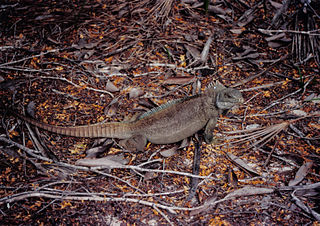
<point x="166" y="124"/>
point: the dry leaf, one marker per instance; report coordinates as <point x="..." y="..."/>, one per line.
<point x="301" y="174"/>
<point x="111" y="87"/>
<point x="249" y="190"/>
<point x="104" y="162"/>
<point x="111" y="110"/>
<point x="299" y="112"/>
<point x="237" y="31"/>
<point x="232" y="178"/>
<point x="275" y="4"/>
<point x="135" y="92"/>
<point x="239" y="162"/>
<point x="169" y="152"/>
<point x="195" y="53"/>
<point x="178" y="80"/>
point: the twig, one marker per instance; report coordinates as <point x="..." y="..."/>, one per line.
<point x="300" y="187"/>
<point x="150" y="162"/>
<point x="194" y="181"/>
<point x="120" y="49"/>
<point x="117" y="178"/>
<point x="290" y="31"/>
<point x="30" y="57"/>
<point x="205" y="51"/>
<point x="304" y="207"/>
<point x="65" y="195"/>
<point x="96" y="169"/>
<point x="271" y="114"/>
<point x="137" y="168"/>
<point x="278" y="157"/>
<point x="71" y="195"/>
<point x="280" y="11"/>
<point x="44" y="71"/>
<point x="262" y="87"/>
<point x="271" y="152"/>
<point x="259" y="74"/>
<point x="154" y="194"/>
<point x="162" y="214"/>
<point x="27" y="150"/>
<point x="282" y="98"/>
<point x="77" y="86"/>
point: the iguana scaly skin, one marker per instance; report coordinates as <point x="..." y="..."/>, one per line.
<point x="169" y="123"/>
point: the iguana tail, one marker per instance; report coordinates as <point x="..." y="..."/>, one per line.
<point x="120" y="130"/>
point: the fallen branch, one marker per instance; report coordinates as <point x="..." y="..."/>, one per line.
<point x="30" y="57"/>
<point x="269" y="32"/>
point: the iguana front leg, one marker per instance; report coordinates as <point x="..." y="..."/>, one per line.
<point x="208" y="136"/>
<point x="135" y="143"/>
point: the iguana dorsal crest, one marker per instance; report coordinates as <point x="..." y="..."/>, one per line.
<point x="164" y="106"/>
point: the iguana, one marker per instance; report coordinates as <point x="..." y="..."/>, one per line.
<point x="168" y="123"/>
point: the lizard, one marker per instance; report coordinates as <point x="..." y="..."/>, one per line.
<point x="168" y="123"/>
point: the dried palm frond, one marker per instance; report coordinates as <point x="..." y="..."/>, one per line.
<point x="306" y="44"/>
<point x="259" y="136"/>
<point x="162" y="9"/>
<point x="306" y="36"/>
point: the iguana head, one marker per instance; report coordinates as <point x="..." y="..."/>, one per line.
<point x="228" y="98"/>
<point x="225" y="98"/>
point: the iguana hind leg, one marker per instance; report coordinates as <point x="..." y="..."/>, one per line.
<point x="135" y="143"/>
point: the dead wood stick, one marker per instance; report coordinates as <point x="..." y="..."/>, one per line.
<point x="259" y="74"/>
<point x="30" y="57"/>
<point x="194" y="181"/>
<point x="269" y="32"/>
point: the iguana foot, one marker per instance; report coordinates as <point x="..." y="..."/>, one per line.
<point x="135" y="143"/>
<point x="208" y="138"/>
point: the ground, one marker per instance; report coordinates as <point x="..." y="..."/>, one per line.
<point x="81" y="62"/>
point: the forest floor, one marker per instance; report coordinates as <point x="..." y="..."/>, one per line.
<point x="82" y="62"/>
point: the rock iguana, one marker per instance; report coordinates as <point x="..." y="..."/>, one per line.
<point x="168" y="123"/>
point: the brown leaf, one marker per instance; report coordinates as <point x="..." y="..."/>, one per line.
<point x="249" y="190"/>
<point x="119" y="158"/>
<point x="111" y="109"/>
<point x="275" y="37"/>
<point x="169" y="152"/>
<point x="275" y="45"/>
<point x="184" y="143"/>
<point x="104" y="162"/>
<point x="232" y="178"/>
<point x="278" y="40"/>
<point x="301" y="174"/>
<point x="275" y="4"/>
<point x="217" y="10"/>
<point x="111" y="87"/>
<point x="209" y="203"/>
<point x="96" y="151"/>
<point x="239" y="162"/>
<point x="148" y="103"/>
<point x="178" y="80"/>
<point x="135" y="92"/>
<point x="150" y="175"/>
<point x="237" y="31"/>
<point x="246" y="21"/>
<point x="195" y="53"/>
